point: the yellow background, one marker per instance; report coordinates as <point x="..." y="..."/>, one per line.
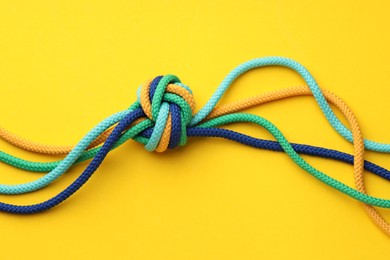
<point x="66" y="65"/>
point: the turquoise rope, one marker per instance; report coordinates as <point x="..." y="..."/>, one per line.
<point x="161" y="121"/>
<point x="310" y="81"/>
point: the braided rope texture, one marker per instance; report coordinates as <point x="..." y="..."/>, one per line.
<point x="163" y="117"/>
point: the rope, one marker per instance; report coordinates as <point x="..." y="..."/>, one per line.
<point x="166" y="106"/>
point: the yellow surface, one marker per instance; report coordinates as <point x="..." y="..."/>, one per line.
<point x="66" y="65"/>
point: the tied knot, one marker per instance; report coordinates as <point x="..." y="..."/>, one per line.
<point x="170" y="105"/>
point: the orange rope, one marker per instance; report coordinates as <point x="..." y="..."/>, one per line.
<point x="36" y="147"/>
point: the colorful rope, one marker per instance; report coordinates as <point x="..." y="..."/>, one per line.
<point x="163" y="117"/>
<point x="307" y="77"/>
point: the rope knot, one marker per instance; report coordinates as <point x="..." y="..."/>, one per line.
<point x="170" y="105"/>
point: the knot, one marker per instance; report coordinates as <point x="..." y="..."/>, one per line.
<point x="170" y="105"/>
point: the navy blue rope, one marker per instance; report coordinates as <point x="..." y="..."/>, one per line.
<point x="191" y="132"/>
<point x="153" y="87"/>
<point x="175" y="125"/>
<point x="275" y="146"/>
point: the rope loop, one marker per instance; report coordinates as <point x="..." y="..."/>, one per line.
<point x="170" y="105"/>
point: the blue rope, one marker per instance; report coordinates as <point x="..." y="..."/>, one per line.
<point x="176" y="126"/>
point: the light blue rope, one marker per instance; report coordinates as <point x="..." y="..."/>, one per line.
<point x="161" y="121"/>
<point x="310" y="81"/>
